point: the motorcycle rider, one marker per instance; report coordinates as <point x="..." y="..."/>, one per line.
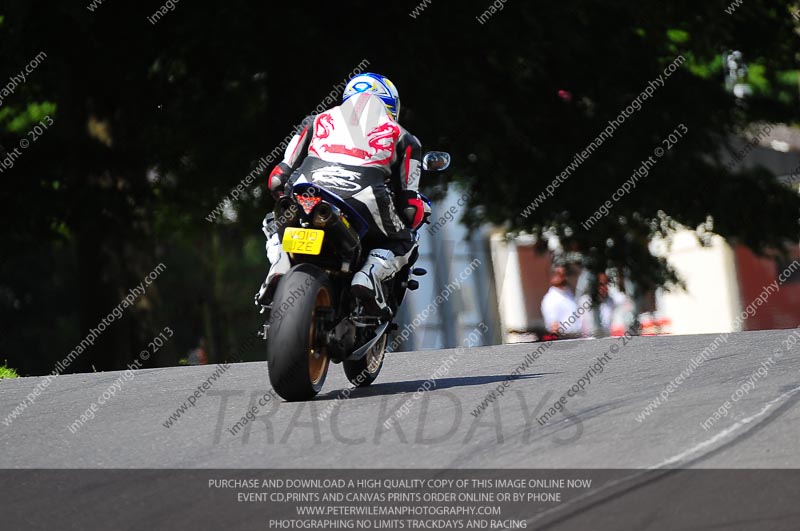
<point x="360" y="152"/>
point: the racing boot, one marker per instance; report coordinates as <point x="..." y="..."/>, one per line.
<point x="279" y="265"/>
<point x="381" y="265"/>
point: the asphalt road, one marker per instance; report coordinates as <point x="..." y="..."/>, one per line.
<point x="599" y="428"/>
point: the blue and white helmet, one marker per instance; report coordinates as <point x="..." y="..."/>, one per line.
<point x="378" y="85"/>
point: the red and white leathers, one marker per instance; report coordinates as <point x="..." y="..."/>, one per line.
<point x="358" y="135"/>
<point x="357" y="151"/>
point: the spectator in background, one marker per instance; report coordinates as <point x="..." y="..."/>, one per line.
<point x="597" y="321"/>
<point x="198" y="355"/>
<point x="559" y="304"/>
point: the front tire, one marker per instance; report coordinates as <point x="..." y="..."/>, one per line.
<point x="297" y="355"/>
<point x="363" y="372"/>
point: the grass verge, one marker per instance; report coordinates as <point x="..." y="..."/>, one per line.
<point x="6" y="372"/>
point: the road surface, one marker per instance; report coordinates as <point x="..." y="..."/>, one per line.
<point x="652" y="407"/>
<point x="599" y="427"/>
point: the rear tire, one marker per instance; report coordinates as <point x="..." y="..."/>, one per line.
<point x="296" y="356"/>
<point x="363" y="372"/>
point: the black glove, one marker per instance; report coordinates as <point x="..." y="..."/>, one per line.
<point x="414" y="209"/>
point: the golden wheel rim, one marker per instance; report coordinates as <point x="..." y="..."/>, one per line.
<point x="317" y="357"/>
<point x="375" y="356"/>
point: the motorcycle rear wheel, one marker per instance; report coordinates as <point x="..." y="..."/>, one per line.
<point x="297" y="356"/>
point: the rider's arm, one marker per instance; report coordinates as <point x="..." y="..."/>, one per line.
<point x="409" y="162"/>
<point x="296" y="152"/>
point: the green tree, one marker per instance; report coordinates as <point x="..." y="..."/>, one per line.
<point x="154" y="124"/>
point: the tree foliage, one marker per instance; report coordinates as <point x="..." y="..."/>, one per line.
<point x="156" y="123"/>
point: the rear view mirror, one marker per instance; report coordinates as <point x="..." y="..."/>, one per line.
<point x="436" y="161"/>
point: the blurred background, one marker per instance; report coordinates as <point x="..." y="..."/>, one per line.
<point x="141" y="118"/>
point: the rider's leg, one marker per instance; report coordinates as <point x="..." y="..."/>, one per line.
<point x="391" y="244"/>
<point x="279" y="263"/>
<point x="367" y="284"/>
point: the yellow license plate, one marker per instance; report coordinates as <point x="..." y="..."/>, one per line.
<point x="303" y="241"/>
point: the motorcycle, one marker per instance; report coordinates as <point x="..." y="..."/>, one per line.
<point x="312" y="319"/>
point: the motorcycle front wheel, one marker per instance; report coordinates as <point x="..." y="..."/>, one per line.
<point x="363" y="372"/>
